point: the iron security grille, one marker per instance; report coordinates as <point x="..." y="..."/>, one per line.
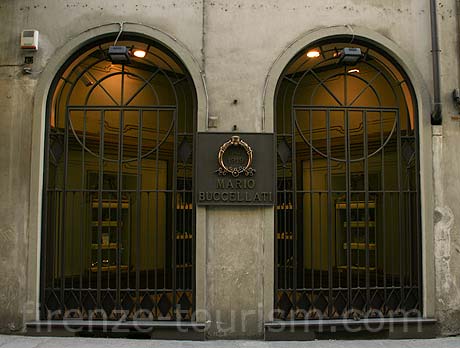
<point x="347" y="239"/>
<point x="118" y="231"/>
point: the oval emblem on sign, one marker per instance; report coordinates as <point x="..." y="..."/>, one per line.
<point x="235" y="158"/>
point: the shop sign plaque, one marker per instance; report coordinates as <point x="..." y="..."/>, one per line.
<point x="235" y="169"/>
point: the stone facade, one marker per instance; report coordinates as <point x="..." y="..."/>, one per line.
<point x="237" y="49"/>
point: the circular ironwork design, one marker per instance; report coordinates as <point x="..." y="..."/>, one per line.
<point x="98" y="83"/>
<point x="379" y="108"/>
<point x="332" y="158"/>
<point x="237" y="165"/>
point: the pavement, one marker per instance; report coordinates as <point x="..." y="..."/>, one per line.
<point x="10" y="341"/>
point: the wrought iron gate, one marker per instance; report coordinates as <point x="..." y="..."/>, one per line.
<point x="118" y="231"/>
<point x="347" y="239"/>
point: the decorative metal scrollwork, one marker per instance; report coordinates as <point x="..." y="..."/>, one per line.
<point x="235" y="171"/>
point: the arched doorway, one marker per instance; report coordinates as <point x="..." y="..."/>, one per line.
<point x="118" y="221"/>
<point x="347" y="221"/>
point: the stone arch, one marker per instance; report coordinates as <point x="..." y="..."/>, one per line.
<point x="423" y="104"/>
<point x="44" y="85"/>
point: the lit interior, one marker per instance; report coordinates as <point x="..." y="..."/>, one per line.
<point x="371" y="102"/>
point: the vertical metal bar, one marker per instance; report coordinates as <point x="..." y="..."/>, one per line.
<point x="119" y="189"/>
<point x="58" y="237"/>
<point x="348" y="188"/>
<point x="366" y="206"/>
<point x="146" y="242"/>
<point x="339" y="239"/>
<point x="277" y="231"/>
<point x="384" y="217"/>
<point x="329" y="212"/>
<point x="409" y="233"/>
<point x="91" y="198"/>
<point x="154" y="248"/>
<point x="148" y="235"/>
<point x="71" y="235"/>
<point x="312" y="249"/>
<point x="356" y="236"/>
<point x="392" y="224"/>
<point x="83" y="209"/>
<point x="320" y="218"/>
<point x="285" y="261"/>
<point x="64" y="208"/>
<point x="174" y="205"/>
<point x="294" y="210"/>
<point x="106" y="252"/>
<point x="400" y="205"/>
<point x="157" y="224"/>
<point x="348" y="212"/>
<point x="53" y="228"/>
<point x="127" y="248"/>
<point x="57" y="241"/>
<point x="182" y="239"/>
<point x="138" y="205"/>
<point x="99" y="209"/>
<point x="184" y="227"/>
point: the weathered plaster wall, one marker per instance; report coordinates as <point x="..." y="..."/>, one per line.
<point x="14" y="174"/>
<point x="446" y="180"/>
<point x="14" y="177"/>
<point x="240" y="43"/>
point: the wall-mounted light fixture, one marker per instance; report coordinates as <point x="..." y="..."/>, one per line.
<point x="119" y="54"/>
<point x="350" y="56"/>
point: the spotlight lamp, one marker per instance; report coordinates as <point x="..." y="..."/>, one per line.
<point x="139" y="53"/>
<point x="350" y="56"/>
<point x="119" y="54"/>
<point x="313" y="53"/>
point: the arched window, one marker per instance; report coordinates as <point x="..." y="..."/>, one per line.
<point x="348" y="194"/>
<point x="118" y="220"/>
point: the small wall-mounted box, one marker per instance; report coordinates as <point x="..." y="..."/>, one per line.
<point x="29" y="39"/>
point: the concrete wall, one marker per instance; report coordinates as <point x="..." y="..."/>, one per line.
<point x="235" y="43"/>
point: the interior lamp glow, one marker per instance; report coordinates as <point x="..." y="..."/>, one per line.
<point x="313" y="54"/>
<point x="351" y="71"/>
<point x="139" y="53"/>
